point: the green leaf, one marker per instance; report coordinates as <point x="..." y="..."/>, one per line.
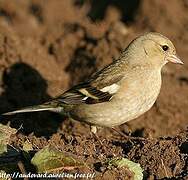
<point x="5" y="134"/>
<point x="50" y="159"/>
<point x="132" y="166"/>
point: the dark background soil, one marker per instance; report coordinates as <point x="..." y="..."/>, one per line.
<point x="47" y="46"/>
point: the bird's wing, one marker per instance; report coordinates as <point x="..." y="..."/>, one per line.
<point x="100" y="88"/>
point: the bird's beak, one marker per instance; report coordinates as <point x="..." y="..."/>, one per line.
<point x="174" y="59"/>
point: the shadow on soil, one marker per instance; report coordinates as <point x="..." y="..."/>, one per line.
<point x="24" y="86"/>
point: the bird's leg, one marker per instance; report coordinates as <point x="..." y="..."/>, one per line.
<point x="120" y="133"/>
<point x="94" y="133"/>
<point x="128" y="137"/>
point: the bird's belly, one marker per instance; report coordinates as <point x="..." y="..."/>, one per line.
<point x="126" y="110"/>
<point x="116" y="112"/>
<point x="133" y="108"/>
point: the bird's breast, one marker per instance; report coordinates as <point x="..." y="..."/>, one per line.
<point x="137" y="95"/>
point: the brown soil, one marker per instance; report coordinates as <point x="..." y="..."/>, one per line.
<point x="47" y="46"/>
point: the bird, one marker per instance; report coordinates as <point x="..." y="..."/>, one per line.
<point x="121" y="91"/>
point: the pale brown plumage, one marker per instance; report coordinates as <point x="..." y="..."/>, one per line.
<point x="123" y="90"/>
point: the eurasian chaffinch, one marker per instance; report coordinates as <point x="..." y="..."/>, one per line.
<point x="121" y="91"/>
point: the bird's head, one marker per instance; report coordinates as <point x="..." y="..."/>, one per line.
<point x="154" y="49"/>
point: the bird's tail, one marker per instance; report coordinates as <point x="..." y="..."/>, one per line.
<point x="42" y="107"/>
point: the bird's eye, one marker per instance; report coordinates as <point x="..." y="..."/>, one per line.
<point x="165" y="47"/>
